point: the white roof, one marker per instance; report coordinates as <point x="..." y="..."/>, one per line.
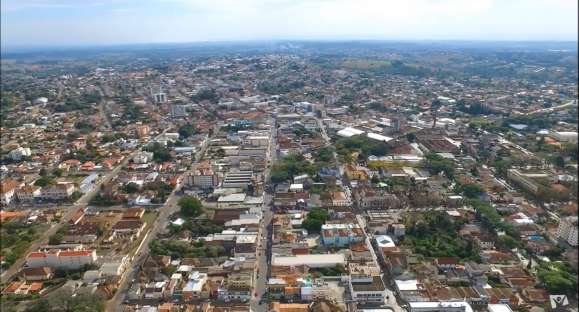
<point x="499" y="308"/>
<point x="385" y="241"/>
<point x="178" y="222"/>
<point x="296" y="186"/>
<point x="378" y="137"/>
<point x="309" y="260"/>
<point x="406" y="285"/>
<point x="239" y="197"/>
<point x="348" y="132"/>
<point x="436" y="304"/>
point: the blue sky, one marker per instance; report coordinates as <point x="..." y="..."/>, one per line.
<point x="104" y="22"/>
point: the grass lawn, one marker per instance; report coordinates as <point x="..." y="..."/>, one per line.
<point x="15" y="239"/>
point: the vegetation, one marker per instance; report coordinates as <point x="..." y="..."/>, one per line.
<point x="15" y="238"/>
<point x="181" y="249"/>
<point x="160" y="153"/>
<point x="335" y="271"/>
<point x="190" y="206"/>
<point x="315" y="219"/>
<point x="187" y="130"/>
<point x="291" y="166"/>
<point x="470" y="190"/>
<point x="436" y="164"/>
<point x="558" y="278"/>
<point x="64" y="302"/>
<point x="364" y="145"/>
<point x="436" y="235"/>
<point x="206" y="95"/>
<point x="324" y="154"/>
<point x="197" y="228"/>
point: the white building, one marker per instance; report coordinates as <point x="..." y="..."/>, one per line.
<point x="18" y="153"/>
<point x="366" y="289"/>
<point x="565" y="136"/>
<point x="59" y="191"/>
<point x="568" y="230"/>
<point x="65" y="259"/>
<point x="143" y="157"/>
<point x="312" y="261"/>
<point x="443" y="306"/>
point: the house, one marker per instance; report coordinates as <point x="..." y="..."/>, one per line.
<point x="196" y="287"/>
<point x="37" y="274"/>
<point x="133" y="213"/>
<point x="446" y="263"/>
<point x="88" y="166"/>
<point x="23" y="288"/>
<point x="129" y="227"/>
<point x="83" y="233"/>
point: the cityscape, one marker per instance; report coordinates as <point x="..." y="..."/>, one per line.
<point x="290" y="176"/>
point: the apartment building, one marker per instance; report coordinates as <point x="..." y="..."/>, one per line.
<point x="65" y="259"/>
<point x="567" y="230"/>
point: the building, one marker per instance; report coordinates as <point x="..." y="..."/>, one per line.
<point x="367" y="289"/>
<point x="195" y="287"/>
<point x="526" y="180"/>
<point x="59" y="191"/>
<point x="178" y="111"/>
<point x="240" y="179"/>
<point x="564" y="136"/>
<point x="448" y="306"/>
<point x="160" y="98"/>
<point x="8" y="191"/>
<point x="202" y="177"/>
<point x="20" y="152"/>
<point x="341" y="235"/>
<point x="311" y="261"/>
<point x="28" y="193"/>
<point x="64" y="259"/>
<point x="567" y="230"/>
<point x="37" y="274"/>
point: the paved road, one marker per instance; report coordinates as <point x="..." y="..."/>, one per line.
<point x="264" y="257"/>
<point x="140" y="255"/>
<point x="80" y="203"/>
<point x="552" y="109"/>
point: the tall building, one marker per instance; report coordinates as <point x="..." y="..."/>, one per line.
<point x="178" y="111"/>
<point x="568" y="230"/>
<point x="160" y="98"/>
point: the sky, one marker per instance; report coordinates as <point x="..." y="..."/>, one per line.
<point x="110" y="22"/>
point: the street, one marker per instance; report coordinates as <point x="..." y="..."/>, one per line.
<point x="264" y="259"/>
<point x="140" y="255"/>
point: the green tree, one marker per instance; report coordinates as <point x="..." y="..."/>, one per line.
<point x="131" y="188"/>
<point x="186" y="130"/>
<point x="190" y="206"/>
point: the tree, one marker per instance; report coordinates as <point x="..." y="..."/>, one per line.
<point x="57" y="172"/>
<point x="559" y="161"/>
<point x="190" y="206"/>
<point x="186" y="131"/>
<point x="375" y="179"/>
<point x="315" y="219"/>
<point x="131" y="188"/>
<point x="472" y="190"/>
